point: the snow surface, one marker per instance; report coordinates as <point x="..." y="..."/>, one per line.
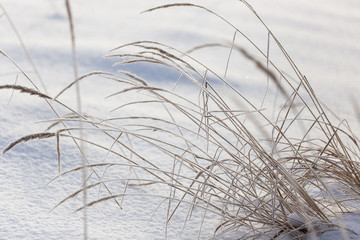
<point x="321" y="36"/>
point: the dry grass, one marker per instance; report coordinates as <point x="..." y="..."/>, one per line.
<point x="226" y="155"/>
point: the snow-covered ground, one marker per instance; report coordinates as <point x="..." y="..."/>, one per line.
<point x="321" y="36"/>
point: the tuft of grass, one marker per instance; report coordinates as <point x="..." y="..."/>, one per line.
<point x="263" y="175"/>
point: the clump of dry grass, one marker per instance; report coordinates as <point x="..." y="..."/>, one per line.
<point x="222" y="153"/>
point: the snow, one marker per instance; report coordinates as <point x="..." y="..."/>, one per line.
<point x="322" y="37"/>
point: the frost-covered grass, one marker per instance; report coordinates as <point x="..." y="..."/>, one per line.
<point x="225" y="159"/>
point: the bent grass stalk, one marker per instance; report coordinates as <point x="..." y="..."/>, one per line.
<point x="79" y="110"/>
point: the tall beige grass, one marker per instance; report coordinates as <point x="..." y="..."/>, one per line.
<point x="263" y="175"/>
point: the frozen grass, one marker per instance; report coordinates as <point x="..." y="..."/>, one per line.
<point x="268" y="167"/>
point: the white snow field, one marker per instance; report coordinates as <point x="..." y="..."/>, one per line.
<point x="322" y="38"/>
